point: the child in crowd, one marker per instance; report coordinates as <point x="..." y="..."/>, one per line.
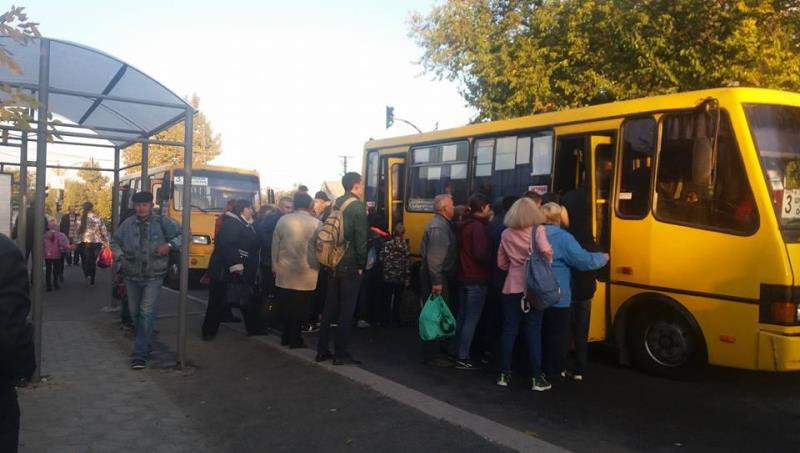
<point x="56" y="245"/>
<point x="396" y="274"/>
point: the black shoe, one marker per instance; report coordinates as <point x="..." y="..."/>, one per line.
<point x="323" y="356"/>
<point x="138" y="364"/>
<point x="346" y="360"/>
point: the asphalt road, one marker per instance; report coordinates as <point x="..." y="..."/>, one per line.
<point x="614" y="409"/>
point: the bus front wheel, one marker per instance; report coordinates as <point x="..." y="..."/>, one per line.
<point x="664" y="343"/>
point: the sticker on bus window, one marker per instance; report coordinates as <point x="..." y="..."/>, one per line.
<point x="541" y="190"/>
<point x="791" y="204"/>
<point x="196" y="180"/>
<point x="420" y="204"/>
<point x="626" y="195"/>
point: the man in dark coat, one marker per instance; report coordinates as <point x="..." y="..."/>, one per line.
<point x="17" y="360"/>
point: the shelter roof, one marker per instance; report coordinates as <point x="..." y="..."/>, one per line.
<point x="95" y="90"/>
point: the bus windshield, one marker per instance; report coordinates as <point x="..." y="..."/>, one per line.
<point x="211" y="190"/>
<point x="776" y="133"/>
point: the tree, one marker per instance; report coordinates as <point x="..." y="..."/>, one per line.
<point x="519" y="57"/>
<point x="94" y="188"/>
<point x="206" y="145"/>
<point x="16" y="102"/>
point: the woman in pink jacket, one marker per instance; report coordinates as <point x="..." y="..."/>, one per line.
<point x="56" y="245"/>
<point x="512" y="256"/>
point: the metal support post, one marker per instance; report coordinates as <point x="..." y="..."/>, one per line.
<point x="115" y="210"/>
<point x="145" y="167"/>
<point x="22" y="215"/>
<point x="38" y="213"/>
<point x="186" y="235"/>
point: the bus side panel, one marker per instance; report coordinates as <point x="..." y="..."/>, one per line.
<point x="415" y="226"/>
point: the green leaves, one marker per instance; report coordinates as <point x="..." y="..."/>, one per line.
<point x="519" y="57"/>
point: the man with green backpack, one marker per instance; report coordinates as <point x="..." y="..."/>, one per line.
<point x="341" y="246"/>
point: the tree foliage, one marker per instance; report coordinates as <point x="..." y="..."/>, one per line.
<point x="206" y="145"/>
<point x="93" y="187"/>
<point x="15" y="102"/>
<point x="518" y="57"/>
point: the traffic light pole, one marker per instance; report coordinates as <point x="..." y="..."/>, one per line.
<point x="409" y="123"/>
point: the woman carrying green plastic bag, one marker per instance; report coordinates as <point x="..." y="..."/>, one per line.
<point x="436" y="322"/>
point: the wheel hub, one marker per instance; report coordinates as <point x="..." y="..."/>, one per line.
<point x="667" y="343"/>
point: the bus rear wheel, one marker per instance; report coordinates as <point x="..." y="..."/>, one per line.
<point x="664" y="343"/>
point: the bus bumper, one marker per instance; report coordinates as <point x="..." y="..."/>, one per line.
<point x="778" y="352"/>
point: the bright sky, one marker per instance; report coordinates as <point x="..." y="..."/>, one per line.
<point x="290" y="85"/>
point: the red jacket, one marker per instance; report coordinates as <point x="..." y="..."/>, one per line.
<point x="474" y="256"/>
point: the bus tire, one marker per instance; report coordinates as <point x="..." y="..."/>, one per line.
<point x="664" y="343"/>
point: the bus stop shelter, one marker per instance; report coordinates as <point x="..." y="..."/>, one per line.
<point x="85" y="97"/>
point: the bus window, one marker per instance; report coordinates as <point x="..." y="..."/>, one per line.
<point x="511" y="165"/>
<point x="636" y="167"/>
<point x="570" y="167"/>
<point x="398" y="172"/>
<point x="374" y="193"/>
<point x="211" y="190"/>
<point x="725" y="205"/>
<point x="435" y="170"/>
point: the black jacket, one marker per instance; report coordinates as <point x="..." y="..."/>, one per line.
<point x="17" y="359"/>
<point x="584" y="283"/>
<point x="236" y="244"/>
<point x="265" y="228"/>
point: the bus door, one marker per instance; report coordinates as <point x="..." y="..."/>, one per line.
<point x="395" y="196"/>
<point x="602" y="165"/>
<point x="583" y="172"/>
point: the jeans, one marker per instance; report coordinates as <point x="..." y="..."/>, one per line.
<point x="556" y="339"/>
<point x="143" y="297"/>
<point x="340" y="306"/>
<point x="531" y="327"/>
<point x="581" y="311"/>
<point x="469" y="313"/>
<point x="9" y="418"/>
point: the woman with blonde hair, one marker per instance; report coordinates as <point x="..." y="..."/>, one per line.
<point x="516" y="245"/>
<point x="568" y="256"/>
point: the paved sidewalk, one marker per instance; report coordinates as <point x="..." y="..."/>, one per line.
<point x="96" y="403"/>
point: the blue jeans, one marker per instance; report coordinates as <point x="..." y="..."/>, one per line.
<point x="143" y="297"/>
<point x="469" y="313"/>
<point x="531" y="327"/>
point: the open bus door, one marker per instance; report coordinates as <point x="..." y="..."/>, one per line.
<point x="395" y="198"/>
<point x="601" y="163"/>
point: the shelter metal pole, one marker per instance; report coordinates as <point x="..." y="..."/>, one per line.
<point x="38" y="224"/>
<point x="22" y="215"/>
<point x="115" y="193"/>
<point x="186" y="236"/>
<point x="145" y="167"/>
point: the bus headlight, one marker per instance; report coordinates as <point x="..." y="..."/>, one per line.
<point x="201" y="240"/>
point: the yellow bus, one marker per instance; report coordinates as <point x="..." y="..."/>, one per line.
<point x="696" y="196"/>
<point x="212" y="187"/>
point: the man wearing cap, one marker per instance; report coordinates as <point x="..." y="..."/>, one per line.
<point x="141" y="247"/>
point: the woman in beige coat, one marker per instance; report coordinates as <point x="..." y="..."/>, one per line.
<point x="294" y="262"/>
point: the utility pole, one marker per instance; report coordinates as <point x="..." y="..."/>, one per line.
<point x="344" y="163"/>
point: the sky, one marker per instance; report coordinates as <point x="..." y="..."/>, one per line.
<point x="290" y="85"/>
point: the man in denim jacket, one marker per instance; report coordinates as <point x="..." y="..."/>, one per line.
<point x="141" y="247"/>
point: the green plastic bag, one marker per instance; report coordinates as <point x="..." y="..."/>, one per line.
<point x="435" y="320"/>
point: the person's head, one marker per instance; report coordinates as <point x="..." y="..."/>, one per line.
<point x="479" y="205"/>
<point x="264" y="210"/>
<point x="87" y="207"/>
<point x="550" y="197"/>
<point x="302" y="189"/>
<point x="285" y="205"/>
<point x="52" y="225"/>
<point x="399" y="230"/>
<point x="244" y="209"/>
<point x="352" y="182"/>
<point x="552" y="213"/>
<point x="535" y="196"/>
<point x="142" y="204"/>
<point x="302" y="201"/>
<point x="523" y="214"/>
<point x="71" y="209"/>
<point x="443" y="204"/>
<point x="321" y="201"/>
<point x="229" y="205"/>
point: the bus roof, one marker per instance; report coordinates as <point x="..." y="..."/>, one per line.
<point x="592" y="113"/>
<point x="161" y="168"/>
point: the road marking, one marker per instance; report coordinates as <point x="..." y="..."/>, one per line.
<point x="483" y="427"/>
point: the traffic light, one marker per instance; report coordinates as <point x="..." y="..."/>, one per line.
<point x="389" y="116"/>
